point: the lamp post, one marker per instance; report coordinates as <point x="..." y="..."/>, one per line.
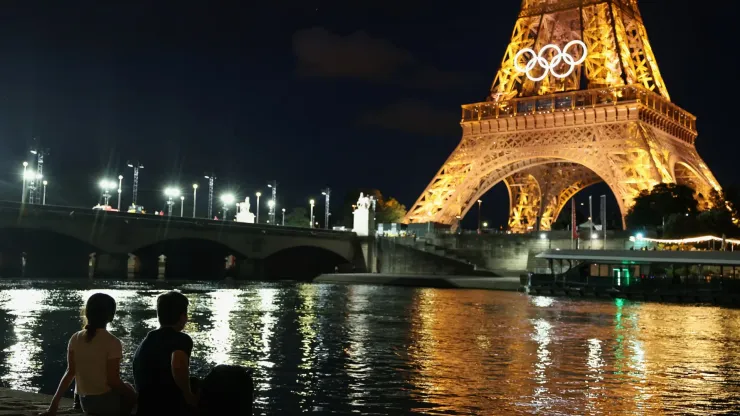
<point x="326" y="192"/>
<point x="120" y="182"/>
<point x="182" y="205"/>
<point x="107" y="185"/>
<point x="273" y="185"/>
<point x="271" y="205"/>
<point x="283" y="217"/>
<point x="136" y="165"/>
<point x="195" y="194"/>
<point x="479" y="203"/>
<point x="227" y="199"/>
<point x="259" y="194"/>
<point x="43" y="198"/>
<point x="25" y="175"/>
<point x="312" y="202"/>
<point x="171" y="193"/>
<point x="211" y="177"/>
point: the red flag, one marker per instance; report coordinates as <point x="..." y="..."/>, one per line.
<point x="573" y="225"/>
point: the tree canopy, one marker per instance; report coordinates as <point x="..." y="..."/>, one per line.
<point x="654" y="207"/>
<point x="297" y="217"/>
<point x="387" y="209"/>
<point x="673" y="209"/>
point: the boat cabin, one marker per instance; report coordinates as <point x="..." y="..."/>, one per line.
<point x="636" y="272"/>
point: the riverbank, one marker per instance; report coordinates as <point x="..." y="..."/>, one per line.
<point x="461" y="282"/>
<point x="23" y="403"/>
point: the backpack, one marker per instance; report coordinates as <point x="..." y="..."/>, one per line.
<point x="227" y="390"/>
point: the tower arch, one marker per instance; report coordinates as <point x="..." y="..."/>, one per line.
<point x="620" y="125"/>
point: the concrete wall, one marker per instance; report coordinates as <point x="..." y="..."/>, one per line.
<point x="515" y="252"/>
<point x="397" y="258"/>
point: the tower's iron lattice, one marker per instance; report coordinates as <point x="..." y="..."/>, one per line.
<point x="548" y="133"/>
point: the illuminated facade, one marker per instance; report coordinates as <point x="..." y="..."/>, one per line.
<point x="560" y="118"/>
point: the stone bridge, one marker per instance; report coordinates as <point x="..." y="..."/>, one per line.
<point x="52" y="241"/>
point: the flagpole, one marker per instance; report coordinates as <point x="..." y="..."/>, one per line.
<point x="573" y="225"/>
<point x="603" y="218"/>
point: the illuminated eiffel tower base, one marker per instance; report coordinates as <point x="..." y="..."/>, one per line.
<point x="578" y="100"/>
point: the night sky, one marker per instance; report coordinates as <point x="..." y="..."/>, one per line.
<point x="312" y="94"/>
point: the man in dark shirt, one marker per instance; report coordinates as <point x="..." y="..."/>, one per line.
<point x="161" y="363"/>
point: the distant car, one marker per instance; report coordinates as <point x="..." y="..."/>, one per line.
<point x="136" y="209"/>
<point x="104" y="208"/>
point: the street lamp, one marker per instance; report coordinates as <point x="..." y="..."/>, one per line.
<point x="312" y="202"/>
<point x="326" y="192"/>
<point x="227" y="199"/>
<point x="107" y="185"/>
<point x="259" y="194"/>
<point x="273" y="185"/>
<point x="479" y="203"/>
<point x="120" y="182"/>
<point x="43" y="199"/>
<point x="283" y="217"/>
<point x="25" y="176"/>
<point x="171" y="193"/>
<point x="195" y="194"/>
<point x="182" y="205"/>
<point x="136" y="165"/>
<point x="271" y="205"/>
<point x="211" y="177"/>
<point x="35" y="180"/>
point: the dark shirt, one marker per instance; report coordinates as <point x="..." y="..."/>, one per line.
<point x="158" y="393"/>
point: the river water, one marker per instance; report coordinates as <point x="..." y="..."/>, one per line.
<point x="374" y="350"/>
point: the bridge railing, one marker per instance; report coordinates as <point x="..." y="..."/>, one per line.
<point x="67" y="211"/>
<point x="578" y="100"/>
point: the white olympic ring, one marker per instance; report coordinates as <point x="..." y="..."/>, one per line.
<point x="549" y="67"/>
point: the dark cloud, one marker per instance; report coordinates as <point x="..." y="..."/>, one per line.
<point x="415" y="117"/>
<point x="432" y="78"/>
<point x="321" y="53"/>
<point x="358" y="55"/>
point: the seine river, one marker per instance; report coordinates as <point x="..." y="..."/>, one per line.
<point x="371" y="350"/>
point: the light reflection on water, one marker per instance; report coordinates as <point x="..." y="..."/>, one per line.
<point x="379" y="350"/>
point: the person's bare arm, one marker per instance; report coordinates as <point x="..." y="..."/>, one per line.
<point x="181" y="374"/>
<point x="113" y="376"/>
<point x="64" y="384"/>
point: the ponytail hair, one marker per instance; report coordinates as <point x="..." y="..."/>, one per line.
<point x="99" y="310"/>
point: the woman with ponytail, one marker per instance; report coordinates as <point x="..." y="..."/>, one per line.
<point x="94" y="362"/>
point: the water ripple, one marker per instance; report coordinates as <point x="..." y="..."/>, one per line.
<point x="370" y="350"/>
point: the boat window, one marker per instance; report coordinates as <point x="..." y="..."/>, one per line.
<point x="709" y="271"/>
<point x="604" y="270"/>
<point x="594" y="270"/>
<point x="658" y="270"/>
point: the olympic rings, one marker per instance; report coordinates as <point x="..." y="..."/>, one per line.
<point x="549" y="67"/>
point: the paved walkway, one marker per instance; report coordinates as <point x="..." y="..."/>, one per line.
<point x="463" y="282"/>
<point x="22" y="403"/>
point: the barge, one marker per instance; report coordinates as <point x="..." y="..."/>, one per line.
<point x="666" y="276"/>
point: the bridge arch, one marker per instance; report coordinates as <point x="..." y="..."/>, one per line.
<point x="38" y="252"/>
<point x="185" y="258"/>
<point x="303" y="263"/>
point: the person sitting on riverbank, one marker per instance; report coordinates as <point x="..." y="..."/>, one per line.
<point x="94" y="362"/>
<point x="162" y="361"/>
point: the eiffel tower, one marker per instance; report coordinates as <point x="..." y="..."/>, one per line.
<point x="578" y="100"/>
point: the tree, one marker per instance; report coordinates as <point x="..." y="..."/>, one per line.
<point x="654" y="207"/>
<point x="298" y="217"/>
<point x="718" y="220"/>
<point x="387" y="210"/>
